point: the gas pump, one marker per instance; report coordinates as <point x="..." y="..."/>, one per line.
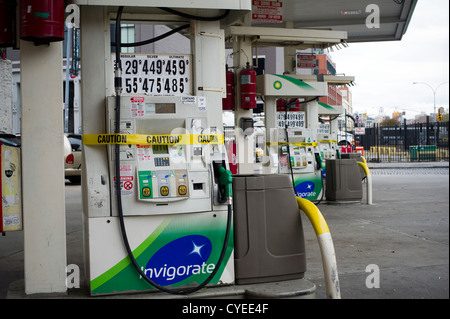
<point x="292" y="136"/>
<point x="173" y="190"/>
<point x="327" y="131"/>
<point x="169" y="224"/>
<point x="173" y="179"/>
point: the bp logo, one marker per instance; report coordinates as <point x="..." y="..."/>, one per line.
<point x="305" y="189"/>
<point x="277" y="85"/>
<point x="180" y="259"/>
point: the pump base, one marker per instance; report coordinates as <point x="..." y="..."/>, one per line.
<point x="342" y="202"/>
<point x="175" y="251"/>
<point x="292" y="289"/>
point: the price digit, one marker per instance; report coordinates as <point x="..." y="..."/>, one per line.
<point x="169" y="68"/>
<point x="145" y="67"/>
<point x="158" y="85"/>
<point x="181" y="85"/>
<point x="128" y="85"/>
<point x="174" y="67"/>
<point x="167" y="86"/>
<point x="182" y="67"/>
<point x="159" y="65"/>
<point x="174" y="85"/>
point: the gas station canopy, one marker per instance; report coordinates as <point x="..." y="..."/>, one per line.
<point x="350" y="16"/>
<point x="343" y="15"/>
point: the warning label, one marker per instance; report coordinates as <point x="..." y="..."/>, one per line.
<point x="267" y="11"/>
<point x="143" y="152"/>
<point x="137" y="107"/>
<point x="126" y="180"/>
<point x="126" y="185"/>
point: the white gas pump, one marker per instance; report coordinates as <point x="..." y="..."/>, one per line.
<point x="156" y="186"/>
<point x="297" y="143"/>
<point x="292" y="144"/>
<point x="327" y="131"/>
<point x="172" y="209"/>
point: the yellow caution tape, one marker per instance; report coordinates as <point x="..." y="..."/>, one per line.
<point x="304" y="144"/>
<point x="328" y="141"/>
<point x="142" y="139"/>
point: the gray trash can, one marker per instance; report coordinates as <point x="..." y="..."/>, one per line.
<point x="358" y="158"/>
<point x="343" y="181"/>
<point x="268" y="231"/>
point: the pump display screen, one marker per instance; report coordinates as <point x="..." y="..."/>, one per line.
<point x="165" y="108"/>
<point x="160" y="149"/>
<point x="160" y="108"/>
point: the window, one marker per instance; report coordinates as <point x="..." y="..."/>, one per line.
<point x="127" y="35"/>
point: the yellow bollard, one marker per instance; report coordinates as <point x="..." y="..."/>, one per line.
<point x="326" y="247"/>
<point x="369" y="182"/>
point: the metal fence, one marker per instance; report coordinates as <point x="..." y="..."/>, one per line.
<point x="417" y="142"/>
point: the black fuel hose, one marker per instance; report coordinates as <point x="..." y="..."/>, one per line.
<point x="118" y="86"/>
<point x="195" y="17"/>
<point x="152" y="40"/>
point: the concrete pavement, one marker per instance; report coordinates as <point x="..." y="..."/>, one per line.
<point x="404" y="234"/>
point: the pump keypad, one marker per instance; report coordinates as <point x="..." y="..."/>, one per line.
<point x="162" y="161"/>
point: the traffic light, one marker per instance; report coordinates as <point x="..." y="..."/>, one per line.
<point x="439" y="115"/>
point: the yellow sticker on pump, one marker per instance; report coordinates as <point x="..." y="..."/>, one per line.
<point x="142" y="139"/>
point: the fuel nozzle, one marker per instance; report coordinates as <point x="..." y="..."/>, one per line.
<point x="320" y="162"/>
<point x="225" y="181"/>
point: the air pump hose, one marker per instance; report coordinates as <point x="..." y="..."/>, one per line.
<point x="225" y="177"/>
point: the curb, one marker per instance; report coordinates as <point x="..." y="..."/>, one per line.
<point x="408" y="165"/>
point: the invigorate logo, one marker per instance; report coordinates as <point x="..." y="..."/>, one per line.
<point x="306" y="189"/>
<point x="180" y="259"/>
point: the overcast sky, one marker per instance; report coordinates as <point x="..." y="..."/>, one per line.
<point x="384" y="71"/>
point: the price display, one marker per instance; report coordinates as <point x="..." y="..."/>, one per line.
<point x="156" y="74"/>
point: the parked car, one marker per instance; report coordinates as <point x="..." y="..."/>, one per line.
<point x="72" y="157"/>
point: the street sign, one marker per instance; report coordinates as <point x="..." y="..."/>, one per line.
<point x="360" y="130"/>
